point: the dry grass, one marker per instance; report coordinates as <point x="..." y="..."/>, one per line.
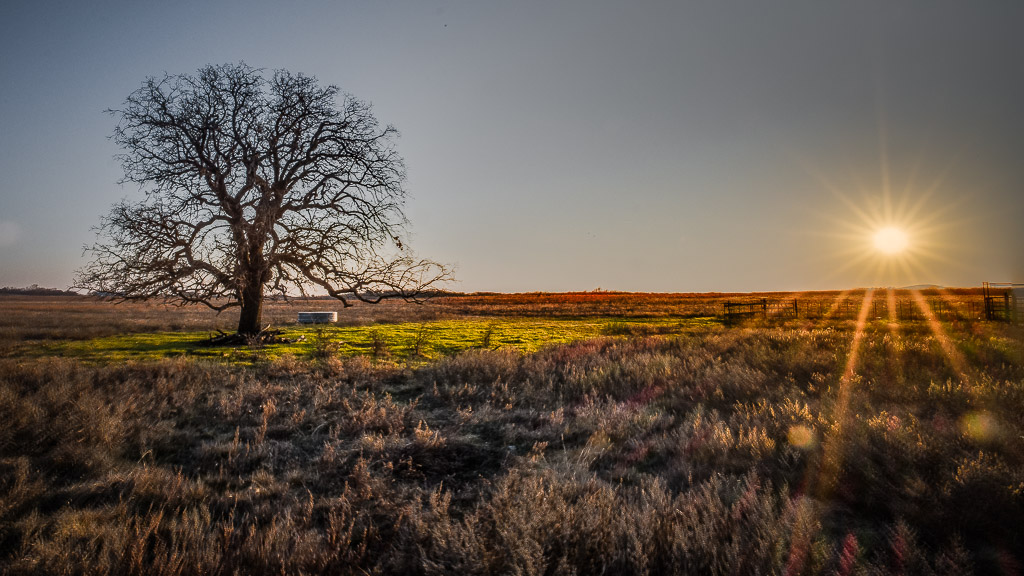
<point x="651" y="454"/>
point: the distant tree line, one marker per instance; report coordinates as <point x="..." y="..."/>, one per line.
<point x="36" y="290"/>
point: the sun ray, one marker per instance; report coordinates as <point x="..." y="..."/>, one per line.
<point x="955" y="304"/>
<point x="891" y="304"/>
<point x="840" y="414"/>
<point x="953" y="356"/>
<point x="836" y="303"/>
<point x="858" y="335"/>
<point x="833" y="445"/>
<point x="821" y="479"/>
<point x="883" y="149"/>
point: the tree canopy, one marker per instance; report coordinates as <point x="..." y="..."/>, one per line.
<point x="255" y="182"/>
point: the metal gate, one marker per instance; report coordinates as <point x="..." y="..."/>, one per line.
<point x="1004" y="301"/>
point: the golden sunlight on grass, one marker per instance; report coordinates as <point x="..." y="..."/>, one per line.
<point x="841" y="441"/>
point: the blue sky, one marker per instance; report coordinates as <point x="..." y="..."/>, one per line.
<point x="648" y="146"/>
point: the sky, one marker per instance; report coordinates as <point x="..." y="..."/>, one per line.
<point x="562" y="146"/>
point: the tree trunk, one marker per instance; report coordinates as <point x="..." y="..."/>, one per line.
<point x="250" y="319"/>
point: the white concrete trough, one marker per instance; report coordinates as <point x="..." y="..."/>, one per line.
<point x="317" y="317"/>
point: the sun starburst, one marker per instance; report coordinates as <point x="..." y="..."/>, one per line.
<point x="877" y="237"/>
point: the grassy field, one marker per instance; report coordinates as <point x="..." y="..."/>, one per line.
<point x="522" y="434"/>
<point x="403" y="341"/>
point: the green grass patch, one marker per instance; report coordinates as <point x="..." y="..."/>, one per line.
<point x="407" y="341"/>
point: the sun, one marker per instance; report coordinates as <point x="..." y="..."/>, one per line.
<point x="882" y="238"/>
<point x="903" y="230"/>
<point x="891" y="240"/>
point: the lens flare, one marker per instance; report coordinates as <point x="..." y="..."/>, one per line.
<point x="979" y="426"/>
<point x="801" y="436"/>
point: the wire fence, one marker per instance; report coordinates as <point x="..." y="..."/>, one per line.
<point x="881" y="308"/>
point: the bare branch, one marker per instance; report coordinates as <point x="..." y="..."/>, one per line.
<point x="255" y="182"/>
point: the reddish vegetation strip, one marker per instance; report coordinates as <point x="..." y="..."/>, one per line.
<point x="81" y="317"/>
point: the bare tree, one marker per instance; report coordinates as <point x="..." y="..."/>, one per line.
<point x="252" y="183"/>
